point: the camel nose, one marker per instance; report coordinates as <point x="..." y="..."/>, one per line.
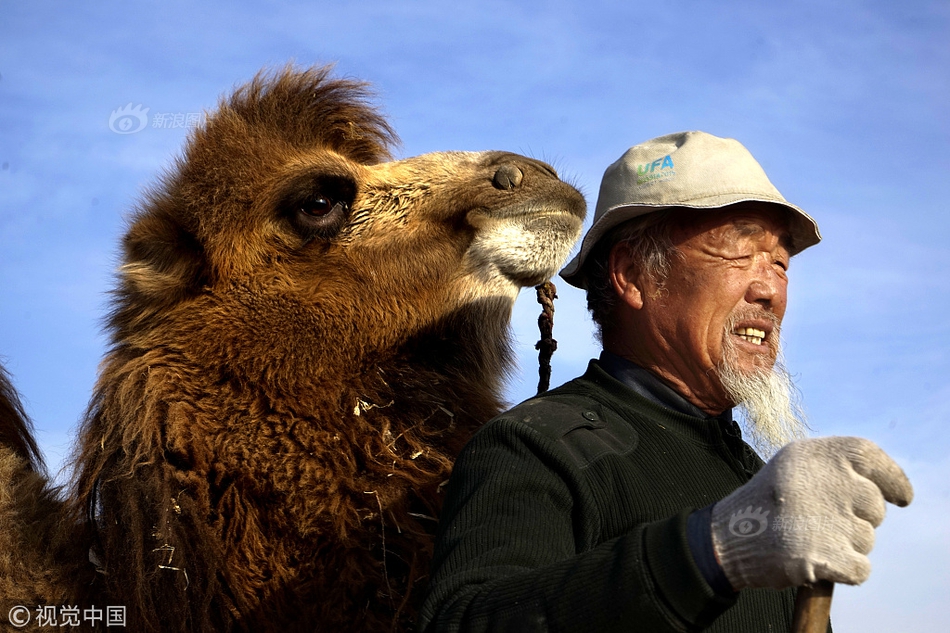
<point x="507" y="177"/>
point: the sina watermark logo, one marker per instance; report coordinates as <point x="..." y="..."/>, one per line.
<point x="660" y="169"/>
<point x="748" y="522"/>
<point x="128" y="120"/>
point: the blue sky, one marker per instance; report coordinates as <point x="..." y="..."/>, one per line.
<point x="844" y="103"/>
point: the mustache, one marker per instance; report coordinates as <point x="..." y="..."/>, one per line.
<point x="751" y="313"/>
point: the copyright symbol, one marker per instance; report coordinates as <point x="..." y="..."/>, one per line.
<point x="19" y="616"/>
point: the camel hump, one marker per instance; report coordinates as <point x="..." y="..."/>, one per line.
<point x="16" y="431"/>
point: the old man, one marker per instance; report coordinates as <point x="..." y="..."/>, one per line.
<point x="627" y="499"/>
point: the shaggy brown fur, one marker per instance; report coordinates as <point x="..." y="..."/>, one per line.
<point x="15" y="428"/>
<point x="303" y="337"/>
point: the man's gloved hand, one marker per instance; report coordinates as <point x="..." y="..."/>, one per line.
<point x="809" y="514"/>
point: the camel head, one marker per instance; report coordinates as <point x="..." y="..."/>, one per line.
<point x="282" y="248"/>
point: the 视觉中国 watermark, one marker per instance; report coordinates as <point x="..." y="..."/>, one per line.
<point x="58" y="617"/>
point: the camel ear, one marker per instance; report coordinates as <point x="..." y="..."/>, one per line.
<point x="164" y="262"/>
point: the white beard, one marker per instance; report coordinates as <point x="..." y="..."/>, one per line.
<point x="766" y="397"/>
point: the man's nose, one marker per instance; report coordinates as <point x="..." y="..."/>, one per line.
<point x="768" y="288"/>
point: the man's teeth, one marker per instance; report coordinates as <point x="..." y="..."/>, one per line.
<point x="751" y="334"/>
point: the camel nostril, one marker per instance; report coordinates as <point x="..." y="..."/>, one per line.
<point x="507" y="177"/>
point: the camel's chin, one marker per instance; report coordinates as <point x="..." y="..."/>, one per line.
<point x="526" y="250"/>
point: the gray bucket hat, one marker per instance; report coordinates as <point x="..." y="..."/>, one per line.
<point x="692" y="170"/>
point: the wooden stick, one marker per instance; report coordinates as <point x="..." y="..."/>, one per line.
<point x="813" y="608"/>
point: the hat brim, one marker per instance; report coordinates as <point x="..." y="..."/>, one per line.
<point x="804" y="229"/>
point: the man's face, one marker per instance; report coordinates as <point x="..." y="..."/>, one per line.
<point x="728" y="282"/>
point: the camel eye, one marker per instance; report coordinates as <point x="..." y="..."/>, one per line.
<point x="320" y="217"/>
<point x="318" y="207"/>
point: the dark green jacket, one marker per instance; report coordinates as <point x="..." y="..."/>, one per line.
<point x="568" y="513"/>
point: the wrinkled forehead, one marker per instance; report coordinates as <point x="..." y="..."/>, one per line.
<point x="752" y="220"/>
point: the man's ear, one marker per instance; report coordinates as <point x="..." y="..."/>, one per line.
<point x="625" y="276"/>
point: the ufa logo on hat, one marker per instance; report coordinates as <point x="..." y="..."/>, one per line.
<point x="660" y="169"/>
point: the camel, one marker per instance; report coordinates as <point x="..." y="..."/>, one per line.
<point x="304" y="333"/>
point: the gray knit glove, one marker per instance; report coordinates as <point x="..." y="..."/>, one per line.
<point x="808" y="515"/>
